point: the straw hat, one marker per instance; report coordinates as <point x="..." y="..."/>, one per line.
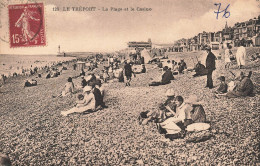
<point x="170" y="93"/>
<point x="128" y="61"/>
<point x="193" y="100"/>
<point x="87" y="89"/>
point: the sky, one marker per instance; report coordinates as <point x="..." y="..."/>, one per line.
<point x="102" y="31"/>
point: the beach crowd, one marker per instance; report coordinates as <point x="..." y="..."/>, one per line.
<point x="176" y="116"/>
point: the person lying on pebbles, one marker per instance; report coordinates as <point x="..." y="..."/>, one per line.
<point x="85" y="102"/>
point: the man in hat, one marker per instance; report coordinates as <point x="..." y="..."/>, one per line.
<point x="244" y="87"/>
<point x="210" y="66"/>
<point x="86" y="104"/>
<point x="223" y="86"/>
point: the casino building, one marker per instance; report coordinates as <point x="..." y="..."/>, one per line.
<point x="140" y="45"/>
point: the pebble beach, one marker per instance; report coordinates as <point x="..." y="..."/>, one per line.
<point x="33" y="132"/>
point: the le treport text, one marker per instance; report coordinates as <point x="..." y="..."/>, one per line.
<point x="91" y="9"/>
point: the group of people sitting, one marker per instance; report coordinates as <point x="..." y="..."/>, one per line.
<point x="175" y="67"/>
<point x="54" y="72"/>
<point x="242" y="86"/>
<point x="92" y="98"/>
<point x="175" y="116"/>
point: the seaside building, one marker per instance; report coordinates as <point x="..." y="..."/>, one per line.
<point x="247" y="32"/>
<point x="140" y="45"/>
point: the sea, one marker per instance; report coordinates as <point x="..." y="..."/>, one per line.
<point x="16" y="63"/>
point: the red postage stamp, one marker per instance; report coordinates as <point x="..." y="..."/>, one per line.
<point x="26" y="25"/>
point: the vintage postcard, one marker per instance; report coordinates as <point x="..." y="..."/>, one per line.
<point x="129" y="82"/>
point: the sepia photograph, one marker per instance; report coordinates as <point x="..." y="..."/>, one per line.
<point x="129" y="82"/>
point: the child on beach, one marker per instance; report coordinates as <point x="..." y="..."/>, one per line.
<point x="228" y="54"/>
<point x="222" y="87"/>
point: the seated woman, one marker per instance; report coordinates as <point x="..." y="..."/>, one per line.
<point x="86" y="103"/>
<point x="197" y="114"/>
<point x="166" y="78"/>
<point x="243" y="88"/>
<point x="68" y="88"/>
<point x="200" y="69"/>
<point x="174" y="126"/>
<point x="98" y="95"/>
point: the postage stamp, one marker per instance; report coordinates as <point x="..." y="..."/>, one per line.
<point x="26" y="25"/>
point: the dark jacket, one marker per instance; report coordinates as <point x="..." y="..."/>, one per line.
<point x="222" y="88"/>
<point x="210" y="61"/>
<point x="198" y="114"/>
<point x="98" y="97"/>
<point x="200" y="69"/>
<point x="128" y="69"/>
<point x="167" y="77"/>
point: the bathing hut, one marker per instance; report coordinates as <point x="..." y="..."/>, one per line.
<point x="80" y="65"/>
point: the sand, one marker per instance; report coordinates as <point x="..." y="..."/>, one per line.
<point x="34" y="133"/>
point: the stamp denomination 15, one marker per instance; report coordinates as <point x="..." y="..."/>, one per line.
<point x="26" y="25"/>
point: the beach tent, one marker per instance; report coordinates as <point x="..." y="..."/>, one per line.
<point x="146" y="55"/>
